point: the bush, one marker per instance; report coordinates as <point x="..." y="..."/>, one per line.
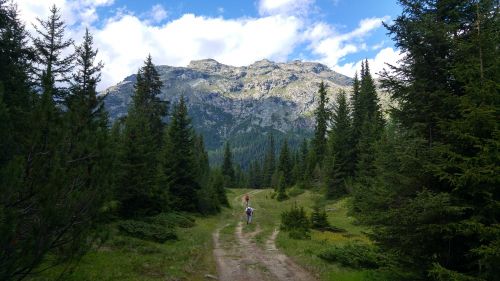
<point x="171" y="220"/>
<point x="281" y="192"/>
<point x="354" y="255"/>
<point x="147" y="231"/>
<point x="296" y="222"/>
<point x="319" y="219"/>
<point x="295" y="191"/>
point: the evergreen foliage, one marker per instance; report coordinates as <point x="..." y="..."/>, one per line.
<point x="437" y="166"/>
<point x="319" y="219"/>
<point x="322" y="117"/>
<point x="269" y="166"/>
<point x="285" y="165"/>
<point x="138" y="189"/>
<point x="178" y="160"/>
<point x="296" y="223"/>
<point x="227" y="166"/>
<point x="52" y="65"/>
<point x="338" y="165"/>
<point x="54" y="174"/>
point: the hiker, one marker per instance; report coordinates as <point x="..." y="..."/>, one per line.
<point x="249" y="212"/>
<point x="247" y="198"/>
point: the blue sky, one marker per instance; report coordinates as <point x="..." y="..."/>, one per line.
<point x="338" y="33"/>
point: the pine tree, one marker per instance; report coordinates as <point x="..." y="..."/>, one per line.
<point x="339" y="167"/>
<point x="147" y="97"/>
<point x="269" y="166"/>
<point x="440" y="162"/>
<point x="51" y="65"/>
<point x="202" y="166"/>
<point x="42" y="195"/>
<point x="322" y="117"/>
<point x="285" y="165"/>
<point x="178" y="161"/>
<point x="367" y="124"/>
<point x="138" y="189"/>
<point x="227" y="166"/>
<point x="218" y="185"/>
<point x="15" y="62"/>
<point x="281" y="187"/>
<point x="303" y="161"/>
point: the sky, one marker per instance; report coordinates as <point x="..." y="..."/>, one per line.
<point x="338" y="33"/>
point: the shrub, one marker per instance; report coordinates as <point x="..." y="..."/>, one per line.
<point x="147" y="231"/>
<point x="281" y="192"/>
<point x="171" y="220"/>
<point x="355" y="255"/>
<point x="295" y="191"/>
<point x="319" y="219"/>
<point x="296" y="222"/>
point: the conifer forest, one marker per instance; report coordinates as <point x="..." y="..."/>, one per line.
<point x="407" y="191"/>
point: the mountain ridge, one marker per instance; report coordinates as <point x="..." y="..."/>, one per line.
<point x="241" y="104"/>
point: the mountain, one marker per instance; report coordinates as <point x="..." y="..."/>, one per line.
<point x="241" y="104"/>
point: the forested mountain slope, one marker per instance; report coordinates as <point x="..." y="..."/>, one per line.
<point x="241" y="104"/>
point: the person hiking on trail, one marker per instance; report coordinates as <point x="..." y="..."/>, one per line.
<point x="249" y="212"/>
<point x="247" y="198"/>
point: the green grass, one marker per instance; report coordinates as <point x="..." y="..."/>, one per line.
<point x="191" y="258"/>
<point x="126" y="258"/>
<point x="268" y="217"/>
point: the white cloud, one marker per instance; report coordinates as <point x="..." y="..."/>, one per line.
<point x="75" y="12"/>
<point x="158" y="13"/>
<point x="377" y="64"/>
<point x="284" y="7"/>
<point x="333" y="47"/>
<point x="125" y="39"/>
<point x="235" y="42"/>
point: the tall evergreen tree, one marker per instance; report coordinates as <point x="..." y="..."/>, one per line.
<point x="303" y="161"/>
<point x="339" y="166"/>
<point x="45" y="207"/>
<point x="227" y="166"/>
<point x="442" y="161"/>
<point x="269" y="165"/>
<point x="284" y="164"/>
<point x="178" y="161"/>
<point x="322" y="117"/>
<point x="367" y="123"/>
<point x="52" y="65"/>
<point x="142" y="141"/>
<point x="147" y="97"/>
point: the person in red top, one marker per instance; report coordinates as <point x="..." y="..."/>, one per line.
<point x="247" y="198"/>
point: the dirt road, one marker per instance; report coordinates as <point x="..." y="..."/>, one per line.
<point x="242" y="259"/>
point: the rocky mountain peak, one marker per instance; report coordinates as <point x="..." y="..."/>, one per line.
<point x="241" y="104"/>
<point x="209" y="65"/>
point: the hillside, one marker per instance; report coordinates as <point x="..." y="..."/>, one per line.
<point x="241" y="104"/>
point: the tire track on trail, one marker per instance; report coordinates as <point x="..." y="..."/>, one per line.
<point x="245" y="260"/>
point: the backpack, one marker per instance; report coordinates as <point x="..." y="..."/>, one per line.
<point x="249" y="211"/>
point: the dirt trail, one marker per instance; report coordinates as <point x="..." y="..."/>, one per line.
<point x="245" y="260"/>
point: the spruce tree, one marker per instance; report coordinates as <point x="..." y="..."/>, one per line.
<point x="367" y="124"/>
<point x="138" y="185"/>
<point x="227" y="166"/>
<point x="284" y="164"/>
<point x="52" y="66"/>
<point x="339" y="166"/>
<point x="303" y="161"/>
<point x="178" y="161"/>
<point x="322" y="117"/>
<point x="269" y="165"/>
<point x="42" y="193"/>
<point x="439" y="172"/>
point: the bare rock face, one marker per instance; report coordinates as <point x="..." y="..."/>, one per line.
<point x="241" y="104"/>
